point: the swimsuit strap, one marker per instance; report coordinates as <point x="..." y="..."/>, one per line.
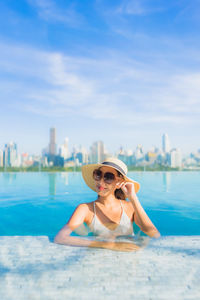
<point x="94" y="208"/>
<point x="121" y="203"/>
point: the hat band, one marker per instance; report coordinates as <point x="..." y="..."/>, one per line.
<point x="114" y="165"/>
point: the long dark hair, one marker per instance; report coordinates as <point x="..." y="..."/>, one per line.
<point x="119" y="194"/>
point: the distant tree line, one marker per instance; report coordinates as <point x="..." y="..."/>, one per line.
<point x="78" y="169"/>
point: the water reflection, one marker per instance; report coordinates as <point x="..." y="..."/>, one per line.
<point x="9" y="177"/>
<point x="166" y="181"/>
<point x="64" y="175"/>
<point x="52" y="184"/>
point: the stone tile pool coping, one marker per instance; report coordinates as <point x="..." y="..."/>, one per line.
<point x="32" y="267"/>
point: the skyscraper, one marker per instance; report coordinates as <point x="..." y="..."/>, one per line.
<point x="97" y="154"/>
<point x="1" y="158"/>
<point x="175" y="158"/>
<point x="139" y="153"/>
<point x="64" y="149"/>
<point x="82" y="155"/>
<point x="52" y="144"/>
<point x="10" y="155"/>
<point x="165" y="143"/>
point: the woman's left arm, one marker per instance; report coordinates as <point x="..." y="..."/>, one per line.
<point x="140" y="216"/>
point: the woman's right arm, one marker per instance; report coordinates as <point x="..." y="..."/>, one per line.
<point x="77" y="219"/>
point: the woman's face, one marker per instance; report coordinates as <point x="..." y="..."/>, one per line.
<point x="104" y="189"/>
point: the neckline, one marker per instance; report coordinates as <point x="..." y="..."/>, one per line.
<point x="113" y="223"/>
<point x="118" y="224"/>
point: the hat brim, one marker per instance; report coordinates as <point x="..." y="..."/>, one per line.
<point x="87" y="173"/>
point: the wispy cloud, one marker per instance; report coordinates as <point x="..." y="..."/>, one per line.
<point x="190" y="11"/>
<point x="112" y="88"/>
<point x="49" y="10"/>
<point x="140" y="7"/>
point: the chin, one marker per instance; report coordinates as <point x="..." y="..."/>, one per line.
<point x="103" y="193"/>
<point x="100" y="193"/>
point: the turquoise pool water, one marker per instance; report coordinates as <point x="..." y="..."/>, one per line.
<point x="41" y="203"/>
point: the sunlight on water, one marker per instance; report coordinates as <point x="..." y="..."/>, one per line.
<point x="41" y="203"/>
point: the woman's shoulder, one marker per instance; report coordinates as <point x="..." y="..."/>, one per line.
<point x="84" y="209"/>
<point x="88" y="208"/>
<point x="85" y="205"/>
<point x="126" y="203"/>
<point x="128" y="207"/>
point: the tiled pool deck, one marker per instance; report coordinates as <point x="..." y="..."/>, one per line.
<point x="35" y="268"/>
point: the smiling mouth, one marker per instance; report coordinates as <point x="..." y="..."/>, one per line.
<point x="100" y="188"/>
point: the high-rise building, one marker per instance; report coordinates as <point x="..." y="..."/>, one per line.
<point x="126" y="156"/>
<point x="1" y="158"/>
<point x="138" y="156"/>
<point x="10" y="157"/>
<point x="45" y="151"/>
<point x="175" y="158"/>
<point x="97" y="153"/>
<point x="64" y="149"/>
<point x="139" y="153"/>
<point x="52" y="144"/>
<point x="165" y="143"/>
<point x="82" y="155"/>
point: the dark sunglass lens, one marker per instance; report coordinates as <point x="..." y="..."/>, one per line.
<point x="97" y="174"/>
<point x="109" y="177"/>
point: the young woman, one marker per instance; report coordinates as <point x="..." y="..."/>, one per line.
<point x="110" y="215"/>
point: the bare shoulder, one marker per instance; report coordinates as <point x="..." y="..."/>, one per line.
<point x="128" y="207"/>
<point x="79" y="215"/>
<point x="83" y="206"/>
<point x="127" y="204"/>
<point x="87" y="205"/>
<point x="89" y="208"/>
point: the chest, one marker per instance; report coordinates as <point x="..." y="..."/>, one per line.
<point x="109" y="217"/>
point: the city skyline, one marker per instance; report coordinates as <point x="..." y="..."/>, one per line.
<point x="54" y="155"/>
<point x="58" y="147"/>
<point x="119" y="71"/>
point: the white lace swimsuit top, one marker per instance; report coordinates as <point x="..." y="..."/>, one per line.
<point x="125" y="226"/>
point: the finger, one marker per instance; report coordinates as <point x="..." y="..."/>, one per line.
<point x="124" y="189"/>
<point x="121" y="185"/>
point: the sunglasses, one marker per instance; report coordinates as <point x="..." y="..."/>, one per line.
<point x="108" y="177"/>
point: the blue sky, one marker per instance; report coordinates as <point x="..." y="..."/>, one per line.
<point x="124" y="72"/>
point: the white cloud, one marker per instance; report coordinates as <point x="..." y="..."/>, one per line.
<point x="140" y="7"/>
<point x="189" y="12"/>
<point x="131" y="7"/>
<point x="112" y="88"/>
<point x="49" y="10"/>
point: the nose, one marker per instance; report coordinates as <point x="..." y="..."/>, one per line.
<point x="101" y="180"/>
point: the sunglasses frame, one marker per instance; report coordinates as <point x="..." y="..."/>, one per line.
<point x="108" y="181"/>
